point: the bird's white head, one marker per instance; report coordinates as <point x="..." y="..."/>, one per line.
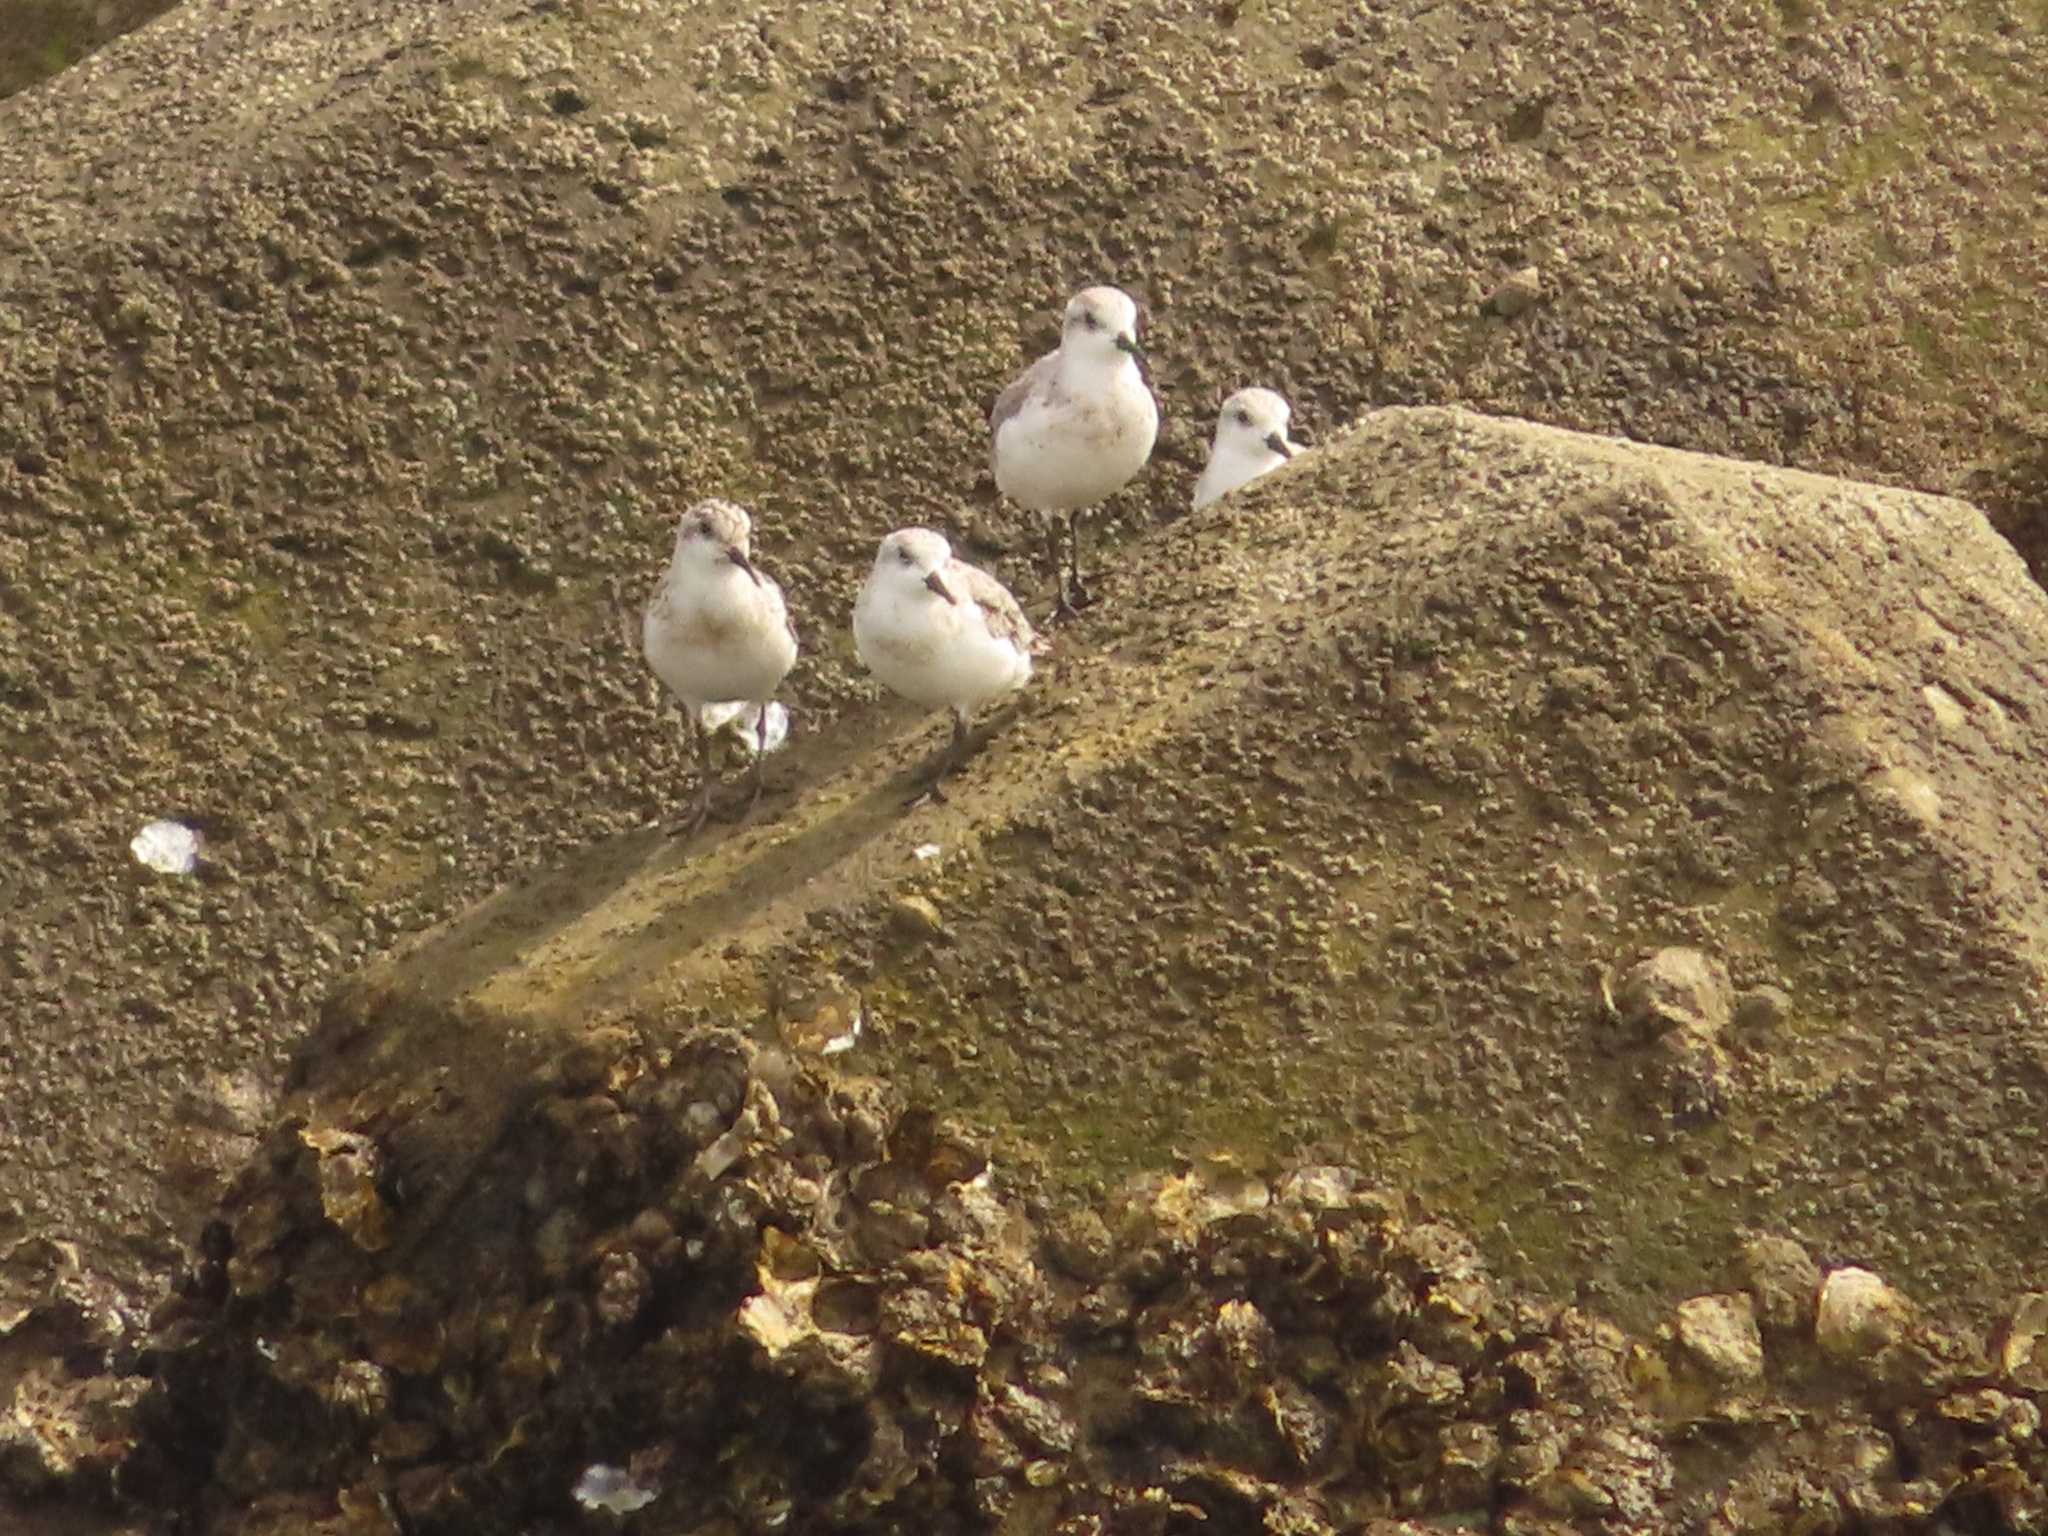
<point x="1253" y="420"/>
<point x="1102" y="325"/>
<point x="914" y="558"/>
<point x="715" y="531"/>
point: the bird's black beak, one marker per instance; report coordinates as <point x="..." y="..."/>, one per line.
<point x="1278" y="443"/>
<point x="939" y="587"/>
<point x="1125" y="342"/>
<point x="739" y="558"/>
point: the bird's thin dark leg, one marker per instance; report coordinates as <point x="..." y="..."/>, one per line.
<point x="701" y="811"/>
<point x="760" y="756"/>
<point x="1061" y="608"/>
<point x="1080" y="597"/>
<point x="949" y="760"/>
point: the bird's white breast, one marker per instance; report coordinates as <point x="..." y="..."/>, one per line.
<point x="935" y="653"/>
<point x="1071" y="447"/>
<point x="1231" y="466"/>
<point x="719" y="636"/>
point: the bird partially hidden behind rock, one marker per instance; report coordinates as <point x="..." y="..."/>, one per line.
<point x="1076" y="426"/>
<point x="1251" y="439"/>
<point x="718" y="633"/>
<point x="941" y="632"/>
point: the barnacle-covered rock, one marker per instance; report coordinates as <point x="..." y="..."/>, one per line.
<point x="1783" y="1280"/>
<point x="854" y="1327"/>
<point x="1858" y="1314"/>
<point x="1468" y="1459"/>
<point x="623" y="1287"/>
<point x="350" y="1171"/>
<point x="56" y="1428"/>
<point x="756" y="1129"/>
<point x="1609" y="1474"/>
<point x="1719" y="1335"/>
<point x="2021" y="1343"/>
<point x="359" y="1387"/>
<point x="401" y="1328"/>
<point x="1306" y="1425"/>
<point x="55" y="1292"/>
<point x="1675" y="988"/>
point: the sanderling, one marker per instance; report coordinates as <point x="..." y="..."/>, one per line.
<point x="941" y="632"/>
<point x="1251" y="438"/>
<point x="1075" y="426"/>
<point x="717" y="632"/>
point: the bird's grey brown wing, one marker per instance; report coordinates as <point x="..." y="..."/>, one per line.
<point x="788" y="620"/>
<point x="1005" y="618"/>
<point x="1038" y="376"/>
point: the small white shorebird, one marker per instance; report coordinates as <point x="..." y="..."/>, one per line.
<point x="717" y="632"/>
<point x="1251" y="438"/>
<point x="941" y="632"/>
<point x="1075" y="426"/>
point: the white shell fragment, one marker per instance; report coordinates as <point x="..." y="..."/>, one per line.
<point x="844" y="1042"/>
<point x="168" y="847"/>
<point x="612" y="1489"/>
<point x="924" y="852"/>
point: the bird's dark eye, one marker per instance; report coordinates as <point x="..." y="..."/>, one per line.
<point x="903" y="555"/>
<point x="703" y="527"/>
<point x="1091" y="322"/>
<point x="1244" y="418"/>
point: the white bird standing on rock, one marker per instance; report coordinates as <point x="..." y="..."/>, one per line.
<point x="941" y="632"/>
<point x="1251" y="438"/>
<point x="1074" y="427"/>
<point x="717" y="632"/>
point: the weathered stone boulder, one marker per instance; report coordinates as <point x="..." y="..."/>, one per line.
<point x="1328" y="836"/>
<point x="355" y="355"/>
<point x="690" y="1177"/>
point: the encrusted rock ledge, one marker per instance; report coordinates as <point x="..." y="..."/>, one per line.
<point x="709" y="1281"/>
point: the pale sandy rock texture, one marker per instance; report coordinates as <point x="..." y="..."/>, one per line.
<point x="354" y="358"/>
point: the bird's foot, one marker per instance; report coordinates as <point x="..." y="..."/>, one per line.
<point x="1080" y="591"/>
<point x="693" y="822"/>
<point x="931" y="781"/>
<point x="735" y="809"/>
<point x="1074" y="599"/>
<point x="930" y="794"/>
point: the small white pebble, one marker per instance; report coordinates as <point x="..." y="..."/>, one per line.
<point x="168" y="847"/>
<point x="612" y="1489"/>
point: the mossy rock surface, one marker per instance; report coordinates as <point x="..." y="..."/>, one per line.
<point x="357" y="357"/>
<point x="1343" y="843"/>
<point x="41" y="38"/>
